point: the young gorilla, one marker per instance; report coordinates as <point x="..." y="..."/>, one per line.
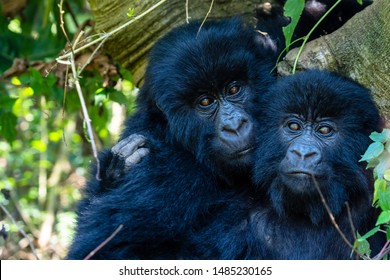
<point x="315" y="127"/>
<point x="196" y="111"/>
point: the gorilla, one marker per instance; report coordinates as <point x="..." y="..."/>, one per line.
<point x="196" y="112"/>
<point x="314" y="128"/>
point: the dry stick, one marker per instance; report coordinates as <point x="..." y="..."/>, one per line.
<point x="79" y="91"/>
<point x="351" y="221"/>
<point x="86" y="115"/>
<point x="207" y="15"/>
<point x="20" y="230"/>
<point x="383" y="252"/>
<point x="187" y="14"/>
<point x="92" y="55"/>
<point x="333" y="219"/>
<point x="90" y="255"/>
<point x="111" y="32"/>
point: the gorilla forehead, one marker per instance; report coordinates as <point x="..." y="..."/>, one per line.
<point x="320" y="94"/>
<point x="185" y="61"/>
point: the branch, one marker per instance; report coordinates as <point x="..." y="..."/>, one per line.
<point x="79" y="92"/>
<point x="90" y="255"/>
<point x="106" y="35"/>
<point x="20" y="230"/>
<point x="333" y="219"/>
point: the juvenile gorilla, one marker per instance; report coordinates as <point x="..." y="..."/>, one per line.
<point x="315" y="127"/>
<point x="196" y="111"/>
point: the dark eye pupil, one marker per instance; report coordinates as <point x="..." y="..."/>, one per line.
<point x="206" y="102"/>
<point x="324" y="130"/>
<point x="234" y="89"/>
<point x="294" y="126"/>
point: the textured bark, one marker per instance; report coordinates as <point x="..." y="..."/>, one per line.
<point x="360" y="50"/>
<point x="131" y="45"/>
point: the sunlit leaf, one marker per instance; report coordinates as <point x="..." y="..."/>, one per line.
<point x="378" y="137"/>
<point x="369" y="234"/>
<point x="386" y="175"/>
<point x="383" y="218"/>
<point x="373" y="151"/>
<point x="292" y="9"/>
<point x="379" y="185"/>
<point x="39" y="145"/>
<point x="384" y="199"/>
<point x="130" y="13"/>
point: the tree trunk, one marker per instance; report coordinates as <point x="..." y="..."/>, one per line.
<point x="360" y="50"/>
<point x="131" y="45"/>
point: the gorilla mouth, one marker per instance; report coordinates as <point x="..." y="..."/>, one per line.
<point x="244" y="151"/>
<point x="302" y="173"/>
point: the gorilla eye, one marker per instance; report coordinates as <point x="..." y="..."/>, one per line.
<point x="325" y="130"/>
<point x="206" y="101"/>
<point x="234" y="89"/>
<point x="294" y="126"/>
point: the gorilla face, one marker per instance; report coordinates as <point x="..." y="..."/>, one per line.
<point x="207" y="87"/>
<point x="316" y="127"/>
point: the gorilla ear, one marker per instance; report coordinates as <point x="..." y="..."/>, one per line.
<point x="264" y="41"/>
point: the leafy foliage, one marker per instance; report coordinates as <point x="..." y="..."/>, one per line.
<point x="44" y="150"/>
<point x="377" y="156"/>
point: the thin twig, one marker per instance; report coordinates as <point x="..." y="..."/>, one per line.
<point x="333" y="219"/>
<point x="351" y="221"/>
<point x="92" y="55"/>
<point x="207" y="15"/>
<point x="306" y="38"/>
<point x="67" y="55"/>
<point x="80" y="92"/>
<point x="90" y="255"/>
<point x="385" y="250"/>
<point x="187" y="13"/>
<point x="20" y="230"/>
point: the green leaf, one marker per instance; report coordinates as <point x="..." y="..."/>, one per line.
<point x="292" y="9"/>
<point x="373" y="151"/>
<point x="384" y="199"/>
<point x="378" y="137"/>
<point x="383" y="164"/>
<point x="131" y="12"/>
<point x="388" y="233"/>
<point x="386" y="175"/>
<point x="369" y="234"/>
<point x="379" y="186"/>
<point x="8" y="123"/>
<point x="362" y="246"/>
<point x="360" y="2"/>
<point x="118" y="97"/>
<point x="383" y="218"/>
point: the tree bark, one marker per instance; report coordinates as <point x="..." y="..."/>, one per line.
<point x="360" y="49"/>
<point x="131" y="45"/>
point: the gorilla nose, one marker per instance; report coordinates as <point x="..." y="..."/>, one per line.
<point x="237" y="132"/>
<point x="307" y="154"/>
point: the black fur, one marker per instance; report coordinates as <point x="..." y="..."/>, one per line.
<point x="187" y="177"/>
<point x="286" y="219"/>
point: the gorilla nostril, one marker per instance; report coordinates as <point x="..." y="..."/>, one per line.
<point x="304" y="153"/>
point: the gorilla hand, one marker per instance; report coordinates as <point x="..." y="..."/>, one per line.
<point x="126" y="154"/>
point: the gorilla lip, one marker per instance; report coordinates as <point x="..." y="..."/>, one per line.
<point x="243" y="152"/>
<point x="301" y="173"/>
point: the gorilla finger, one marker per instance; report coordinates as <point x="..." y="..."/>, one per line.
<point x="129" y="145"/>
<point x="136" y="157"/>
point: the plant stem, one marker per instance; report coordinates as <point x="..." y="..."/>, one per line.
<point x="309" y="34"/>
